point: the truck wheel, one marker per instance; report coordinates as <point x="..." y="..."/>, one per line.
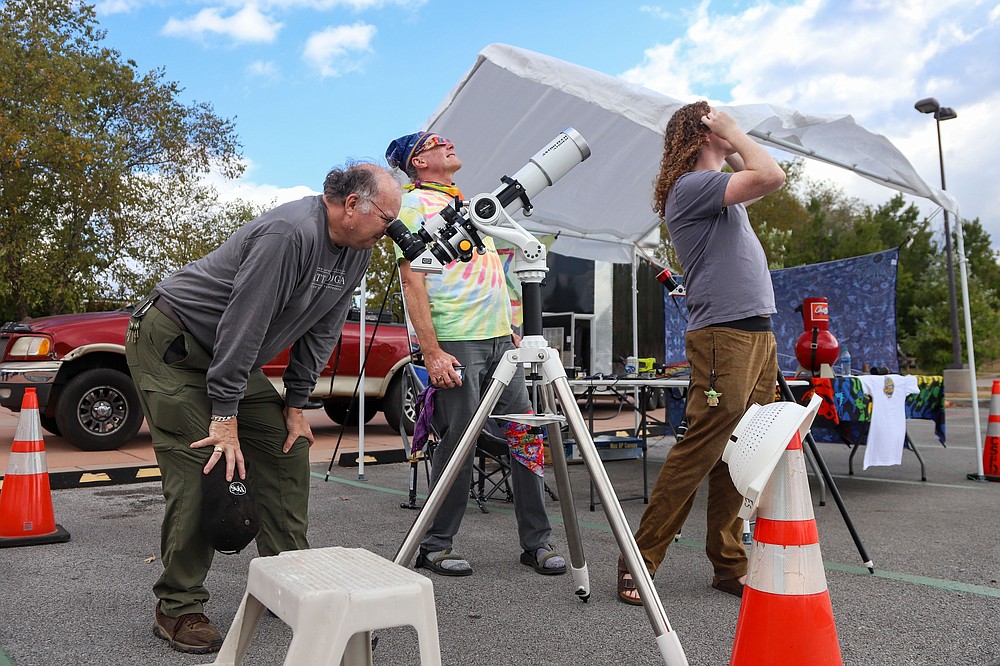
<point x="399" y="408"/>
<point x="49" y="423"/>
<point x="99" y="410"/>
<point x="337" y="411"/>
<point x="652" y="398"/>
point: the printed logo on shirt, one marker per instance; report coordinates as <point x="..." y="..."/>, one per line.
<point x="327" y="279"/>
<point x="888" y="387"/>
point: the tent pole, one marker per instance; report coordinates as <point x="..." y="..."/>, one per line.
<point x="970" y="347"/>
<point x="361" y="393"/>
<point x="635" y="327"/>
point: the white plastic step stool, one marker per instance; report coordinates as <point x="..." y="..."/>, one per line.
<point x="332" y="598"/>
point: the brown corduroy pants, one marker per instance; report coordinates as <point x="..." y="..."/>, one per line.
<point x="746" y="367"/>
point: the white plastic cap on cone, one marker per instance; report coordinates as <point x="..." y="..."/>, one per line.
<point x="756" y="445"/>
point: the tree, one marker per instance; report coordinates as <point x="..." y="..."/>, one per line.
<point x="82" y="136"/>
<point x="382" y="274"/>
<point x="180" y="223"/>
<point x="777" y="215"/>
<point x="983" y="260"/>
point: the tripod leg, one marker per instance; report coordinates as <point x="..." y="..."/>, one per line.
<point x="840" y="503"/>
<point x="819" y="477"/>
<point x="460" y="457"/>
<point x="666" y="638"/>
<point x="577" y="560"/>
<point x="786" y="393"/>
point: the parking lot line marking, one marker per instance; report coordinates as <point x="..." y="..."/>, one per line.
<point x="913" y="579"/>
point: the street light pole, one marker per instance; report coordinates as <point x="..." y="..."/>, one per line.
<point x="930" y="105"/>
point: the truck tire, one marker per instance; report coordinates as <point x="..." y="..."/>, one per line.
<point x="399" y="408"/>
<point x="99" y="410"/>
<point x="337" y="411"/>
<point x="49" y="423"/>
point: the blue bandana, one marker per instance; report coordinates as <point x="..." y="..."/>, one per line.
<point x="401" y="150"/>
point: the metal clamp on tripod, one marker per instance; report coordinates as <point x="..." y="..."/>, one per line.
<point x="451" y="235"/>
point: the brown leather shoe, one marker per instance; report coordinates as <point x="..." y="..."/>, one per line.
<point x="192" y="633"/>
<point x="731" y="586"/>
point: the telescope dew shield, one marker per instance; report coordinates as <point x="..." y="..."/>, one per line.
<point x="453" y="233"/>
<point x="545" y="167"/>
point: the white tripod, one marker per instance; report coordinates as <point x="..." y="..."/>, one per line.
<point x="546" y="371"/>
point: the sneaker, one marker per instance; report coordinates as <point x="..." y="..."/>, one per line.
<point x="192" y="633"/>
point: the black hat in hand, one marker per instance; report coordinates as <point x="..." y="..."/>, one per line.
<point x="228" y="514"/>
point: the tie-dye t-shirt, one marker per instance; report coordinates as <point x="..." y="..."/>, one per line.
<point x="469" y="301"/>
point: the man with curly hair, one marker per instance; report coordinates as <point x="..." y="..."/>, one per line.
<point x="729" y="341"/>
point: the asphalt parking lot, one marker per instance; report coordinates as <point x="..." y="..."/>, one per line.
<point x="934" y="598"/>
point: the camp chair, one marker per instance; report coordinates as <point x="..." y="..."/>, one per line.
<point x="491" y="462"/>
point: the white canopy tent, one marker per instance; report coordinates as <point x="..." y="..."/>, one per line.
<point x="513" y="102"/>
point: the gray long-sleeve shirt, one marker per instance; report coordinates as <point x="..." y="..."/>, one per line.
<point x="277" y="281"/>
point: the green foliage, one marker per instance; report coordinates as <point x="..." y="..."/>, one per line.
<point x="85" y="142"/>
<point x="382" y="273"/>
<point x="179" y="223"/>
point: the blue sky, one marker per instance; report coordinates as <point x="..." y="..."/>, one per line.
<point x="311" y="83"/>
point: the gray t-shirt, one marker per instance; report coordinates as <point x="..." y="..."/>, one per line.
<point x="724" y="265"/>
<point x="278" y="281"/>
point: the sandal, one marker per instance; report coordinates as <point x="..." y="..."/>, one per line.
<point x="628" y="593"/>
<point x="530" y="558"/>
<point x="731" y="586"/>
<point x="435" y="562"/>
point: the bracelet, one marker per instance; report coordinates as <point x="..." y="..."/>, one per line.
<point x="222" y="419"/>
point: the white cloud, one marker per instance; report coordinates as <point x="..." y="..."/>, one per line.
<point x="331" y="51"/>
<point x="263" y="69"/>
<point x="246" y="189"/>
<point x="870" y="58"/>
<point x="656" y="11"/>
<point x="247" y="24"/>
<point x="355" y="5"/>
<point x="109" y="7"/>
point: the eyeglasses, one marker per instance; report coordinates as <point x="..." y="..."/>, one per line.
<point x="386" y="219"/>
<point x="433" y="142"/>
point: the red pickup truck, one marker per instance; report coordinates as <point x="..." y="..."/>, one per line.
<point x="77" y="365"/>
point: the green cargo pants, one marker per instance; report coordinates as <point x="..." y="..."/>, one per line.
<point x="177" y="407"/>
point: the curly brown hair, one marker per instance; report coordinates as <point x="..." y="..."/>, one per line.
<point x="682" y="141"/>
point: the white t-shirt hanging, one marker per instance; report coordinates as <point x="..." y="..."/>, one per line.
<point x="887" y="431"/>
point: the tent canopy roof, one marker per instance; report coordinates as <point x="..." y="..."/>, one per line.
<point x="513" y="101"/>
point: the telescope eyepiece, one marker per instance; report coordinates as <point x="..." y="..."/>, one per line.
<point x="409" y="243"/>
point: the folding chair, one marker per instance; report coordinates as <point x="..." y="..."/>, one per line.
<point x="491" y="467"/>
<point x="491" y="463"/>
<point x="414" y="382"/>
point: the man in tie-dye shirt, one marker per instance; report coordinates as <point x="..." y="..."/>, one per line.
<point x="462" y="317"/>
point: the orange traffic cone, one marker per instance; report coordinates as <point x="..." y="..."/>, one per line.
<point x="786" y="617"/>
<point x="991" y="449"/>
<point x="26" y="516"/>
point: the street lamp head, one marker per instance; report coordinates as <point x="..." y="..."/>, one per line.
<point x="927" y="105"/>
<point x="945" y="113"/>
